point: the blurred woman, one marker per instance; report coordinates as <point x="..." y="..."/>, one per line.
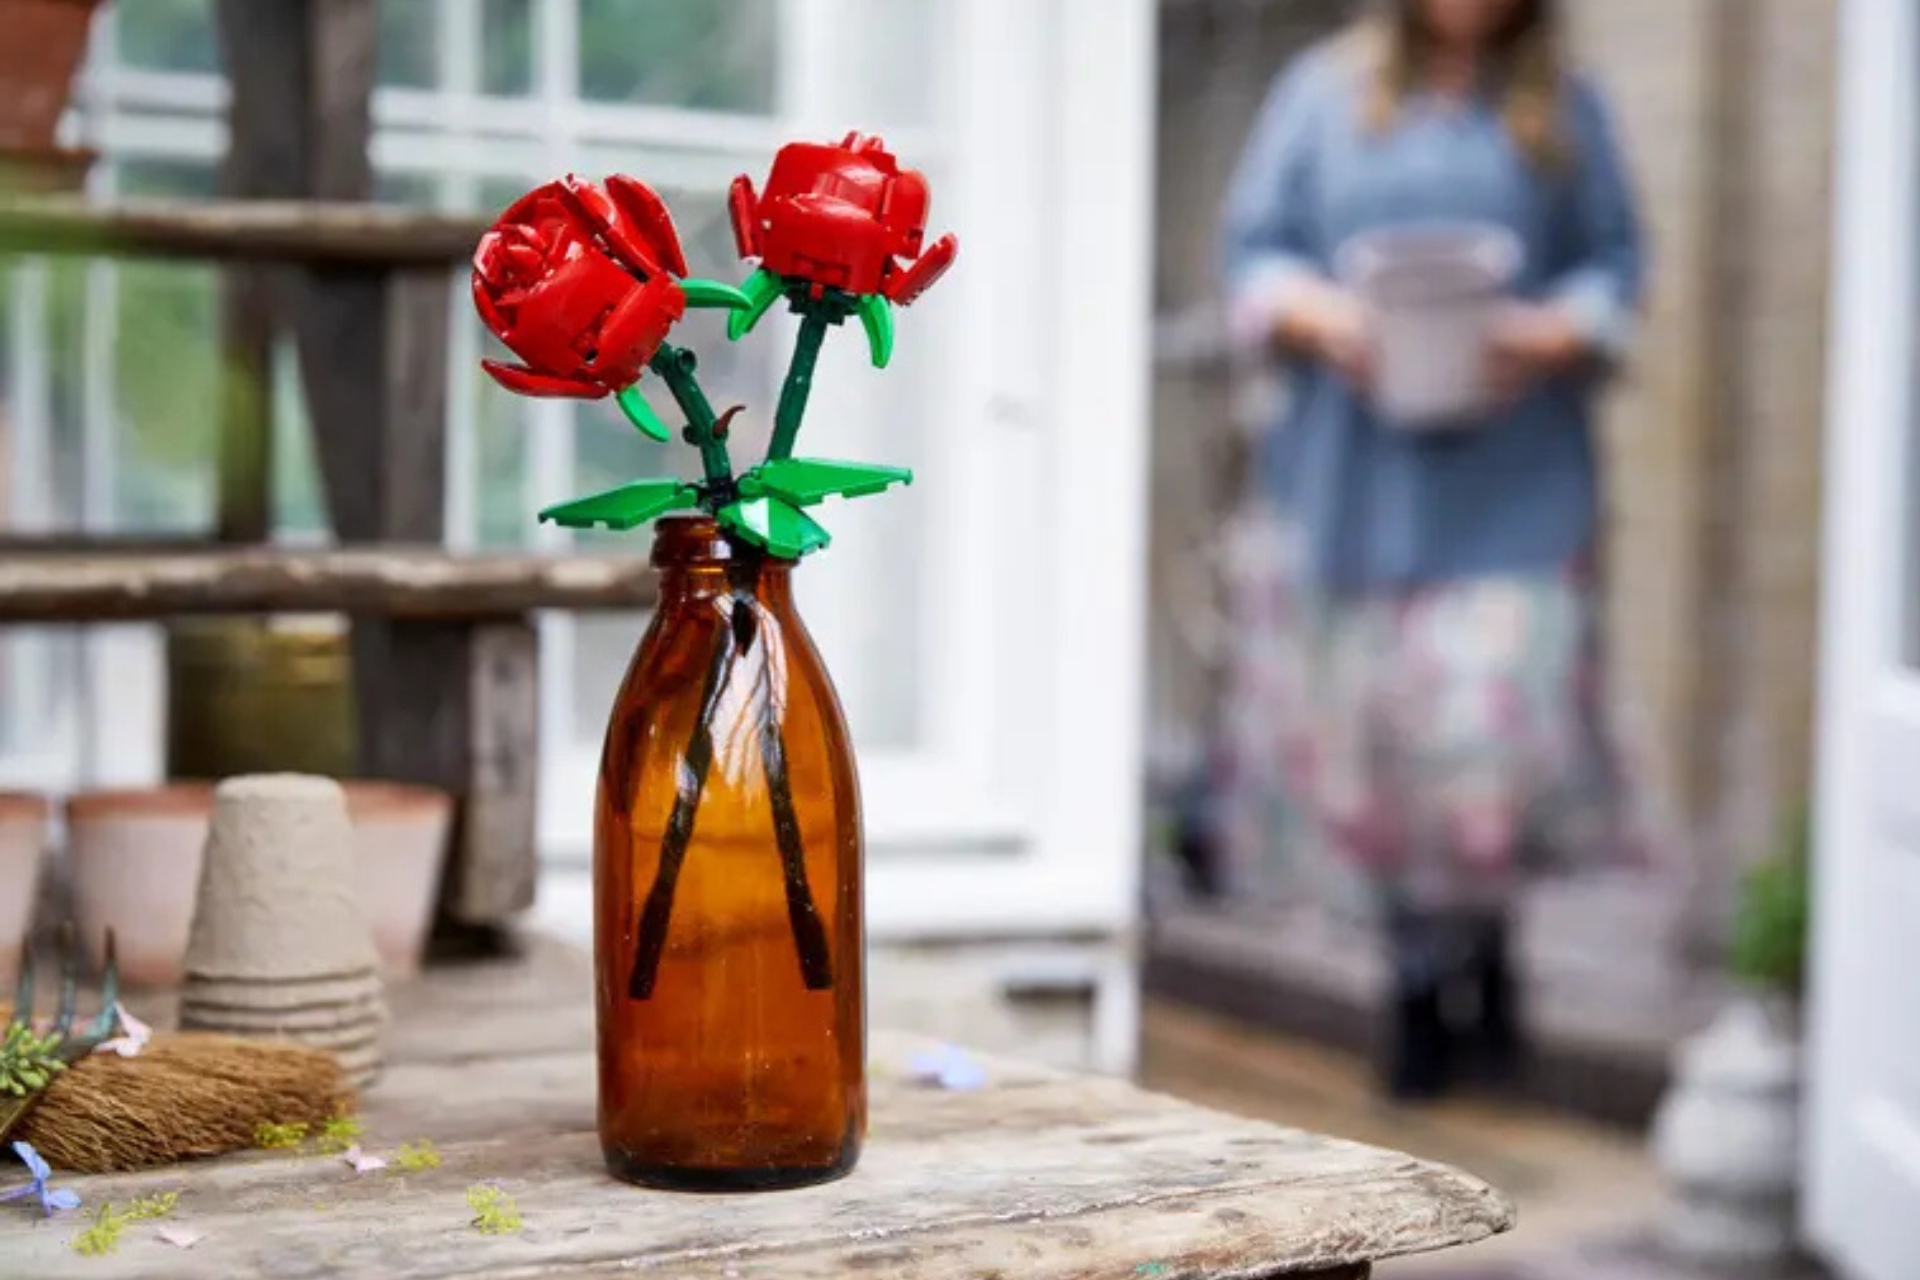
<point x="1442" y="692"/>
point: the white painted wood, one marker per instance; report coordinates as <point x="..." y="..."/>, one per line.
<point x="1863" y="1118"/>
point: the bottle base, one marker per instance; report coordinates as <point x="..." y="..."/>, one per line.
<point x="721" y="1181"/>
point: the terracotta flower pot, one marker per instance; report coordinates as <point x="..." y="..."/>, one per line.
<point x="136" y="868"/>
<point x="46" y="40"/>
<point x="23" y="845"/>
<point x="400" y="843"/>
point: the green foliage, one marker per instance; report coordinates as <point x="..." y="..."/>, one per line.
<point x="1770" y="925"/>
<point x="415" y="1156"/>
<point x="103" y="1237"/>
<point x="494" y="1212"/>
<point x="28" y="1062"/>
<point x="339" y="1133"/>
<point x="279" y="1137"/>
<point x="148" y="1208"/>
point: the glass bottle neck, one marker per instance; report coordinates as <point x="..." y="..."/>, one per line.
<point x="696" y="561"/>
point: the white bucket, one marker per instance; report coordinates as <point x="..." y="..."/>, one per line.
<point x="1432" y="292"/>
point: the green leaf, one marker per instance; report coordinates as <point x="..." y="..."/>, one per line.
<point x="805" y="481"/>
<point x="641" y="414"/>
<point x="876" y="317"/>
<point x="762" y="289"/>
<point x="714" y="293"/>
<point x="776" y="527"/>
<point x="624" y="508"/>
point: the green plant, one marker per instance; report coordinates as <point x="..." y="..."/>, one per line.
<point x="1769" y="947"/>
<point x="339" y="1133"/>
<point x="415" y="1156"/>
<point x="148" y="1208"/>
<point x="103" y="1237"/>
<point x="279" y="1137"/>
<point x="494" y="1212"/>
<point x="28" y="1062"/>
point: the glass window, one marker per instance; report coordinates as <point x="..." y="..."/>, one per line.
<point x="166" y="371"/>
<point x="167" y="35"/>
<point x="408" y="54"/>
<point x="506" y="50"/>
<point x="716" y="55"/>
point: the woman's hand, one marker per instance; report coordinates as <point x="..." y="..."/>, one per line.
<point x="1528" y="343"/>
<point x="1330" y="324"/>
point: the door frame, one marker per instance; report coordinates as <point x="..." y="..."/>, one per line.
<point x="1867" y="620"/>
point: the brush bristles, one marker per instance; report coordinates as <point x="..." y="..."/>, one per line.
<point x="185" y="1096"/>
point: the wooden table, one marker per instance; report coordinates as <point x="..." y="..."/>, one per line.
<point x="1039" y="1176"/>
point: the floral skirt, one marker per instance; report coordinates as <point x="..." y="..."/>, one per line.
<point x="1446" y="742"/>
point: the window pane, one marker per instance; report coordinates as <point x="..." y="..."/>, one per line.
<point x="166" y="382"/>
<point x="299" y="500"/>
<point x="408" y="55"/>
<point x="710" y="54"/>
<point x="891" y="76"/>
<point x="167" y="35"/>
<point x="502" y="510"/>
<point x="506" y="51"/>
<point x="166" y="372"/>
<point x="419" y="190"/>
<point x="603" y="646"/>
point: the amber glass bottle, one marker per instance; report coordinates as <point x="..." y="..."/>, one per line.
<point x="727" y="885"/>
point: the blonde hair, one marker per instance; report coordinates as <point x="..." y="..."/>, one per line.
<point x="1528" y="68"/>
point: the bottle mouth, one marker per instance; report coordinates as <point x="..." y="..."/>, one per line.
<point x="696" y="541"/>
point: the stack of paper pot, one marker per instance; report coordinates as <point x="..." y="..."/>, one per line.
<point x="281" y="946"/>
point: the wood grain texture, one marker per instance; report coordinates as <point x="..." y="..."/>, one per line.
<point x="493" y="878"/>
<point x="1039" y="1176"/>
<point x="373" y="357"/>
<point x="426" y="583"/>
<point x="456" y="706"/>
<point x="285" y="231"/>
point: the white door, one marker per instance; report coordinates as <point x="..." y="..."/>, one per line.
<point x="1863" y="1122"/>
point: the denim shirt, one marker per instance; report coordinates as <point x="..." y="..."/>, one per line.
<point x="1388" y="510"/>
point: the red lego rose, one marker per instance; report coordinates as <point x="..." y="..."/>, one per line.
<point x="582" y="284"/>
<point x="844" y="217"/>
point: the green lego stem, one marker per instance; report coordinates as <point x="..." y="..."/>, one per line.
<point x="676" y="367"/>
<point x="817" y="319"/>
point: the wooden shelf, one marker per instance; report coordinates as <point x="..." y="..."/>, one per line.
<point x="389" y="582"/>
<point x="313" y="233"/>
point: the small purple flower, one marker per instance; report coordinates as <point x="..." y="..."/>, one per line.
<point x="51" y="1201"/>
<point x="946" y="1067"/>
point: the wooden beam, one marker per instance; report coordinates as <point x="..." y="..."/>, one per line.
<point x="373" y="354"/>
<point x="263" y="43"/>
<point x="461" y="712"/>
<point x="285" y="231"/>
<point x="384" y="582"/>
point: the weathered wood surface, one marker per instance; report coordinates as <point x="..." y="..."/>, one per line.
<point x="1040" y="1176"/>
<point x="457" y="707"/>
<point x="284" y="231"/>
<point x="394" y="582"/>
<point x="300" y="76"/>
